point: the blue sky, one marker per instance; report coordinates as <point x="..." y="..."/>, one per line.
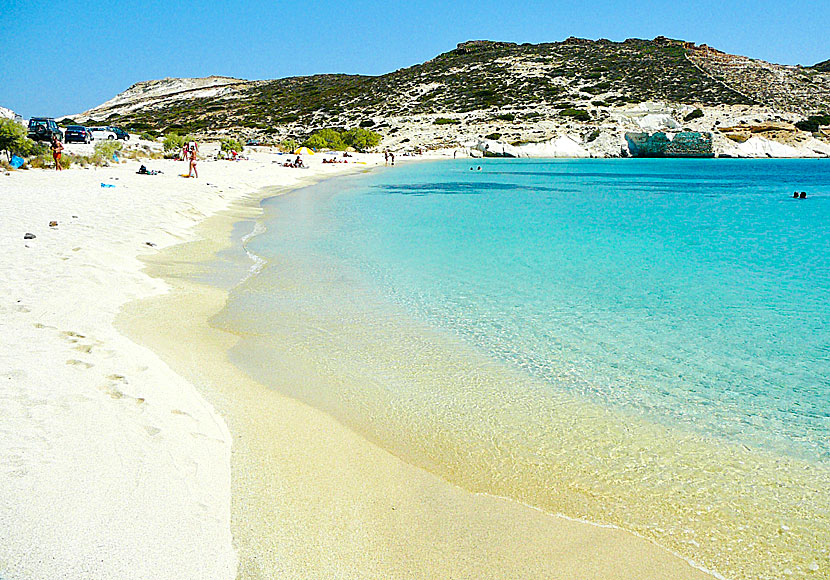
<point x="64" y="57"/>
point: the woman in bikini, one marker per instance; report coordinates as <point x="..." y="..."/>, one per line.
<point x="57" y="147"/>
<point x="194" y="149"/>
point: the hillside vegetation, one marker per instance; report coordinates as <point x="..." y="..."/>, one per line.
<point x="531" y="81"/>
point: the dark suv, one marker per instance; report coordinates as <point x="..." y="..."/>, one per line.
<point x="43" y="128"/>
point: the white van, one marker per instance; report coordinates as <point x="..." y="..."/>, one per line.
<point x="101" y="133"/>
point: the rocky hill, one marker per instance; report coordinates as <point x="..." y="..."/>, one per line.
<point x="823" y="66"/>
<point x="507" y="91"/>
<point x="7" y="113"/>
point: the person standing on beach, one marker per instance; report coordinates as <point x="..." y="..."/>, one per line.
<point x="193" y="150"/>
<point x="57" y="147"/>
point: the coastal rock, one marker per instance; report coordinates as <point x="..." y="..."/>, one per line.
<point x="680" y="144"/>
<point x="562" y="146"/>
<point x="762" y="147"/>
<point x="28" y="236"/>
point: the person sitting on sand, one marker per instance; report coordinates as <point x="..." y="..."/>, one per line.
<point x="298" y="162"/>
<point x="57" y="147"/>
<point x="193" y="150"/>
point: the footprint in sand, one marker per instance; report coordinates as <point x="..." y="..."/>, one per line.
<point x="113" y="392"/>
<point x="116" y="393"/>
<point x="152" y="431"/>
<point x="72" y="336"/>
<point x="79" y="363"/>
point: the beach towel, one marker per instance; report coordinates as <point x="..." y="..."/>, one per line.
<point x="16" y="162"/>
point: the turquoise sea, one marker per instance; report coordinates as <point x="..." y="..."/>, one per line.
<point x="643" y="343"/>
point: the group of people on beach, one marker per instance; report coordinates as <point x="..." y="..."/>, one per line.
<point x="389" y="157"/>
<point x="297" y="163"/>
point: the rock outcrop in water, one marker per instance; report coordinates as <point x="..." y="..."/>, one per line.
<point x="660" y="144"/>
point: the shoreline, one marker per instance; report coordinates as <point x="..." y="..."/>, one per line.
<point x="265" y="464"/>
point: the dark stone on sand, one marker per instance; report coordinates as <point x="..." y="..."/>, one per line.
<point x="28" y="236"/>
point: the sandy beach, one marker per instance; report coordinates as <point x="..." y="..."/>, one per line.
<point x="132" y="448"/>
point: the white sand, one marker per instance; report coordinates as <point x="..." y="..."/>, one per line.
<point x="111" y="465"/>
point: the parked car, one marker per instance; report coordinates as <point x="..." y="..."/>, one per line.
<point x="102" y="133"/>
<point x="43" y="128"/>
<point x="120" y="133"/>
<point x="77" y="133"/>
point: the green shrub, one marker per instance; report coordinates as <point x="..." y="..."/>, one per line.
<point x="325" y="139"/>
<point x="361" y="139"/>
<point x="577" y="114"/>
<point x="593" y="136"/>
<point x="289" y="145"/>
<point x="493" y="136"/>
<point x="696" y="114"/>
<point x="813" y="122"/>
<point x="445" y="121"/>
<point x="367" y="123"/>
<point x="174" y="142"/>
<point x="229" y="144"/>
<point x="147" y="136"/>
<point x="107" y="149"/>
<point x="13" y="138"/>
<point x="506" y="117"/>
<point x="44" y="160"/>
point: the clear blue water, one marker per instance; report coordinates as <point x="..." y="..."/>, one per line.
<point x="694" y="292"/>
<point x="637" y="342"/>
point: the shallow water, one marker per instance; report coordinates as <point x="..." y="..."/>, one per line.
<point x="635" y="342"/>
